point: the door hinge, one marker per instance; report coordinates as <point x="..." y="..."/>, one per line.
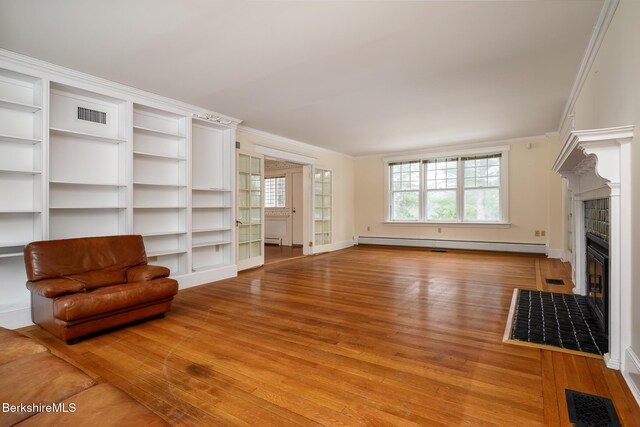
<point x="310" y="244"/>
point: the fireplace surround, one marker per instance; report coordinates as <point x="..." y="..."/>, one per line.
<point x="596" y="165"/>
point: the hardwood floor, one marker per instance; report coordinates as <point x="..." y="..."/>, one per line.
<point x="277" y="253"/>
<point x="366" y="335"/>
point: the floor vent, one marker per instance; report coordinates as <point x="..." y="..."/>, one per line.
<point x="587" y="410"/>
<point x="554" y="281"/>
<point x="438" y="250"/>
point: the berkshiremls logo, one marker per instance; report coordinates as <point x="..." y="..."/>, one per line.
<point x="39" y="407"/>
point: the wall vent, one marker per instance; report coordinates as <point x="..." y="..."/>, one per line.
<point x="94" y="116"/>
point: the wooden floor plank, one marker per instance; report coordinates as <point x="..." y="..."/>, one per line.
<point x="363" y="336"/>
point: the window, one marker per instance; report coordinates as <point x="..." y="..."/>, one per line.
<point x="274" y="192"/>
<point x="405" y="191"/>
<point x="441" y="187"/>
<point x="482" y="188"/>
<point x="463" y="188"/>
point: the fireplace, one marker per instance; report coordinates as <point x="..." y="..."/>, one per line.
<point x="596" y="222"/>
<point x="598" y="279"/>
<point x="597" y="165"/>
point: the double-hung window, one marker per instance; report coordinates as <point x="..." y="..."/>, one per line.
<point x="482" y="188"/>
<point x="405" y="191"/>
<point x="465" y="188"/>
<point x="441" y="189"/>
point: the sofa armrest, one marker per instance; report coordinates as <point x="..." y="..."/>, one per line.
<point x="144" y="273"/>
<point x="51" y="288"/>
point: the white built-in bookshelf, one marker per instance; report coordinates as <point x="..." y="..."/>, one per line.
<point x="160" y="185"/>
<point x="84" y="158"/>
<point x="212" y="197"/>
<point x="88" y="158"/>
<point x="21" y="179"/>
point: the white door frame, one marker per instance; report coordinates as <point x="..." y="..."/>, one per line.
<point x="308" y="164"/>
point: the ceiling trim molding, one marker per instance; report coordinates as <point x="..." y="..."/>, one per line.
<point x="47" y="70"/>
<point x="289" y="141"/>
<point x="459" y="147"/>
<point x="595" y="41"/>
<point x="453" y="153"/>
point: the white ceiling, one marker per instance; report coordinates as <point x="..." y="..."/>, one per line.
<point x="357" y="77"/>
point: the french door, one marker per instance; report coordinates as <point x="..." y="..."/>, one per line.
<point x="250" y="214"/>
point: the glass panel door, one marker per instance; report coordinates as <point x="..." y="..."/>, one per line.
<point x="322" y="210"/>
<point x="250" y="210"/>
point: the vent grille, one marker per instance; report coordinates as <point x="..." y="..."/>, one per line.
<point x="588" y="410"/>
<point x="94" y="116"/>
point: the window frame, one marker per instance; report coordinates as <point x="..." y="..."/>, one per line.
<point x="275" y="191"/>
<point x="460" y="189"/>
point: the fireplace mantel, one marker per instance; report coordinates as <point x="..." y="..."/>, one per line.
<point x="597" y="164"/>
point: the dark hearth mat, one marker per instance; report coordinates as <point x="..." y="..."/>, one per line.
<point x="588" y="410"/>
<point x="559" y="320"/>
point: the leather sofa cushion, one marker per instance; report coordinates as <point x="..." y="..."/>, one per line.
<point x="102" y="405"/>
<point x="110" y="298"/>
<point x="143" y="273"/>
<point x="58" y="258"/>
<point x="104" y="277"/>
<point x="51" y="288"/>
<point x="16" y="346"/>
<point x="39" y="378"/>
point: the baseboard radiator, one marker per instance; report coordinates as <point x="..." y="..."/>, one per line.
<point x="273" y="241"/>
<point x="531" y="248"/>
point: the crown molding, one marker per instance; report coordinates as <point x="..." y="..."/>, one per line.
<point x="595" y="41"/>
<point x="47" y="70"/>
<point x="459" y="147"/>
<point x="289" y="141"/>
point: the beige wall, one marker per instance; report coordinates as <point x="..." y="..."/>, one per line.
<point x="611" y="97"/>
<point x="535" y="201"/>
<point x="341" y="166"/>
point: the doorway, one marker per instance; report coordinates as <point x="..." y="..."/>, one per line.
<point x="258" y="245"/>
<point x="283" y="209"/>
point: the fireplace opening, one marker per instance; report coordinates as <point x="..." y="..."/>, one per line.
<point x="597" y="266"/>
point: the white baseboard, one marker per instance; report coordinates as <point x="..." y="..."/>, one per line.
<point x="611" y="363"/>
<point x="17" y="318"/>
<point x="203" y="277"/>
<point x="631" y="372"/>
<point x="333" y="247"/>
<point x="455" y="244"/>
<point x="555" y="253"/>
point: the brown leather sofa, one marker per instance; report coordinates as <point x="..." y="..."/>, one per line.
<point x="32" y="381"/>
<point x="80" y="286"/>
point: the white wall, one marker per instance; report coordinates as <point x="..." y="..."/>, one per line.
<point x="611" y="97"/>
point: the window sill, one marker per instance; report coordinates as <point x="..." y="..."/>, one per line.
<point x="451" y="224"/>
